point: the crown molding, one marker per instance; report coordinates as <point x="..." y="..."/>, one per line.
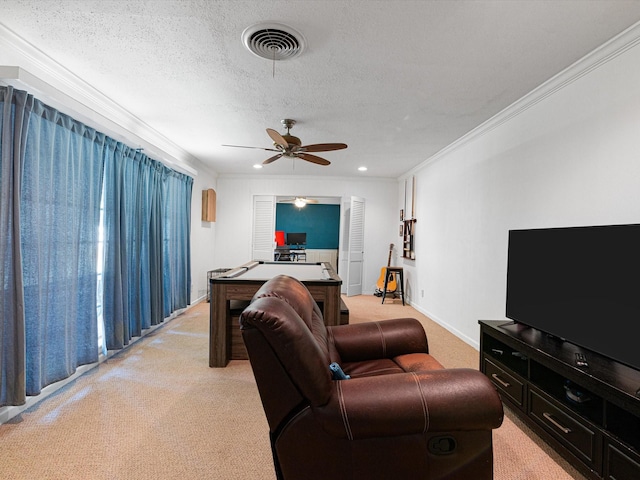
<point x="58" y="87"/>
<point x="608" y="51"/>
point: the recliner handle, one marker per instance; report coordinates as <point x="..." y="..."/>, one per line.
<point x="444" y="445"/>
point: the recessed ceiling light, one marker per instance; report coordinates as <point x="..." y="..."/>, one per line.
<point x="362" y="169"/>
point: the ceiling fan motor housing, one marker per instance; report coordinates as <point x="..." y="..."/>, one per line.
<point x="291" y="140"/>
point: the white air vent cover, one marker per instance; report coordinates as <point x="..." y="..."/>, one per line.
<point x="273" y="41"/>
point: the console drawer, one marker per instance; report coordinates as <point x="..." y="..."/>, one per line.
<point x="619" y="465"/>
<point x="570" y="430"/>
<point x="505" y="382"/>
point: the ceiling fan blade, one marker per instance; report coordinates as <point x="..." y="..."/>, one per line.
<point x="272" y="159"/>
<point x="258" y="148"/>
<point x="313" y="158"/>
<point x="323" y="147"/>
<point x="277" y="138"/>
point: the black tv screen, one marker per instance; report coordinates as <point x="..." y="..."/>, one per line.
<point x="296" y="238"/>
<point x="581" y="284"/>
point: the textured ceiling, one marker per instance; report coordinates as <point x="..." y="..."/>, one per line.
<point x="395" y="80"/>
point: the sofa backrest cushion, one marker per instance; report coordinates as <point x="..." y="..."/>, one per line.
<point x="296" y="294"/>
<point x="301" y="356"/>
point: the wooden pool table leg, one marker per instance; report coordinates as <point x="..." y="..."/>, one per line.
<point x="218" y="351"/>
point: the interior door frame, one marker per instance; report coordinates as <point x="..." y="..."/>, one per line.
<point x="349" y="264"/>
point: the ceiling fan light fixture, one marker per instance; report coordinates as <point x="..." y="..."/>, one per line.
<point x="299" y="202"/>
<point x="273" y="41"/>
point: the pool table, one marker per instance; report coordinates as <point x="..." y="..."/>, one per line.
<point x="228" y="290"/>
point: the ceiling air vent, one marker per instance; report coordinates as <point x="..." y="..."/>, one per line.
<point x="273" y="41"/>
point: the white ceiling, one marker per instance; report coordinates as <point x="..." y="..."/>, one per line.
<point x="395" y="80"/>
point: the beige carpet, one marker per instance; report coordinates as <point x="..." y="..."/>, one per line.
<point x="157" y="411"/>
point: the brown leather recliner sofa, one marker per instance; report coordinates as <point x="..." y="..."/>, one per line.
<point x="401" y="415"/>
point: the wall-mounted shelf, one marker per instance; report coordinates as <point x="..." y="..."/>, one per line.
<point x="209" y="205"/>
<point x="408" y="239"/>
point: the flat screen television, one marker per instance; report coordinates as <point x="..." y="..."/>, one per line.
<point x="296" y="239"/>
<point x="580" y="284"/>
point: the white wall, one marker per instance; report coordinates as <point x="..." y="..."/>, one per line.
<point x="570" y="157"/>
<point x="203" y="241"/>
<point x="234" y="214"/>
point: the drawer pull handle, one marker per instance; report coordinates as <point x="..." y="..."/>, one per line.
<point x="500" y="381"/>
<point x="549" y="417"/>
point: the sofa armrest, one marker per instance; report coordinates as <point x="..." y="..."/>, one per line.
<point x="411" y="403"/>
<point x="383" y="339"/>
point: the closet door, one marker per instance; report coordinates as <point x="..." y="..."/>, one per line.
<point x="352" y="245"/>
<point x="264" y="227"/>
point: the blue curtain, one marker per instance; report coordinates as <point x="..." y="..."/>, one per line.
<point x="51" y="181"/>
<point x="60" y="215"/>
<point x="126" y="212"/>
<point x="55" y="217"/>
<point x="176" y="248"/>
<point x="15" y="108"/>
<point x="147" y="205"/>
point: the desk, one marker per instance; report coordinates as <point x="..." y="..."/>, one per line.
<point x="289" y="253"/>
<point x="242" y="282"/>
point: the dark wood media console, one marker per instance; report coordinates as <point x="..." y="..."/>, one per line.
<point x="589" y="414"/>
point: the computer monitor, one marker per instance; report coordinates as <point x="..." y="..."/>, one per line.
<point x="296" y="239"/>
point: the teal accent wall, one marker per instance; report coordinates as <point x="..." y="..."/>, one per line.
<point x="320" y="222"/>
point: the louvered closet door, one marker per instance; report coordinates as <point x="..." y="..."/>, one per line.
<point x="264" y="227"/>
<point x="354" y="225"/>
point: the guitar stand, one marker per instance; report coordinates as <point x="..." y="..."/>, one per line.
<point x="400" y="277"/>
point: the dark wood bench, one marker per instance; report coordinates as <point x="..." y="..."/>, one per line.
<point x="238" y="350"/>
<point x="344" y="313"/>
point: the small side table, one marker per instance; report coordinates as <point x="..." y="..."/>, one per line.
<point x="398" y="272"/>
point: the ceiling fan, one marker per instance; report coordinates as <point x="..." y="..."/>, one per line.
<point x="289" y="146"/>
<point x="299" y="201"/>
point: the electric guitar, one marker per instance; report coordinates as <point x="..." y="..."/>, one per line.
<point x="391" y="284"/>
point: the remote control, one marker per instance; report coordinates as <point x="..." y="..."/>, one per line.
<point x="581" y="360"/>
<point x="337" y="372"/>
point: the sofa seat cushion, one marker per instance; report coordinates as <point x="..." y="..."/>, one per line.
<point x="370" y="368"/>
<point x="412" y="362"/>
